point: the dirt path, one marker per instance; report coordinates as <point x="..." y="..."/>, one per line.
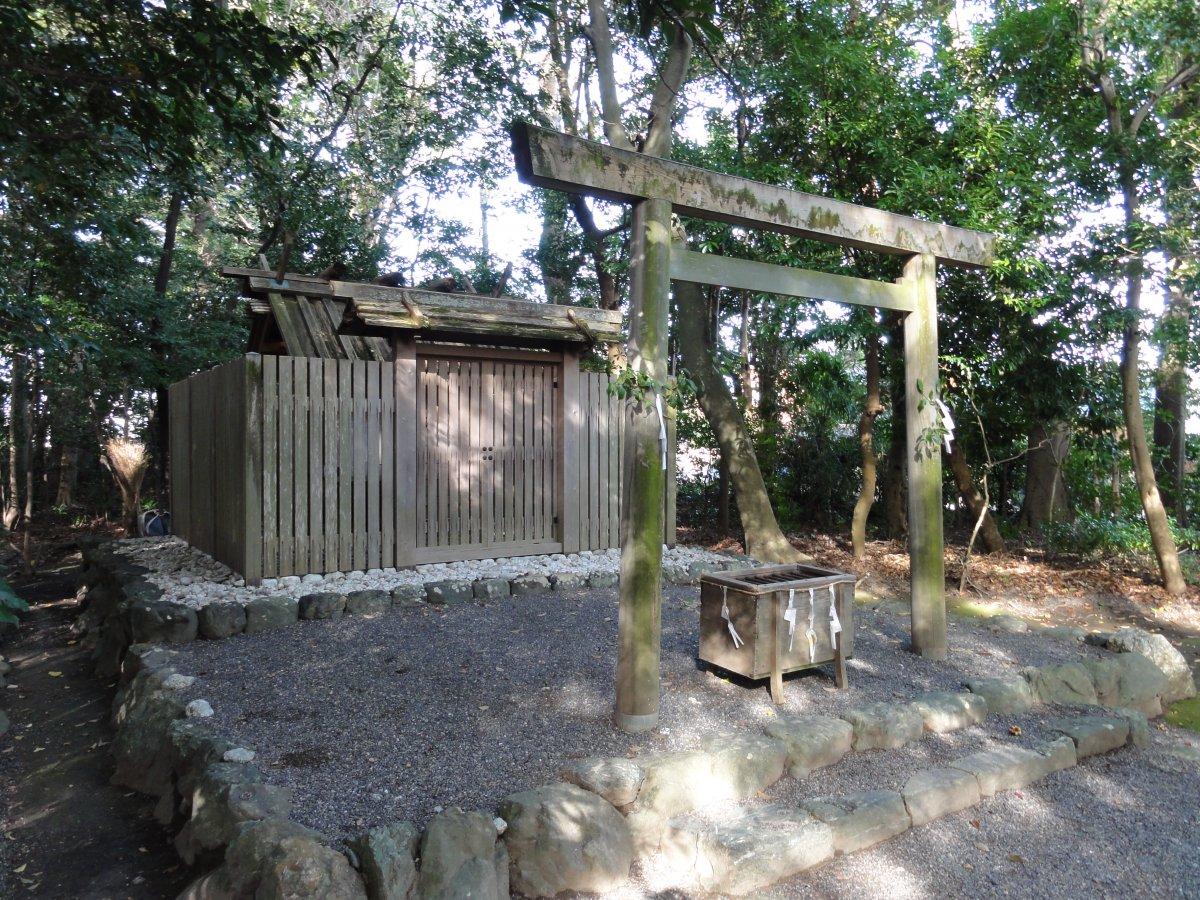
<point x="67" y="831"/>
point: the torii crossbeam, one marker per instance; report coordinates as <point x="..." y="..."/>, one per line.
<point x="656" y="187"/>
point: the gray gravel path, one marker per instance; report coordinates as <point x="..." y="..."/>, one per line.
<point x="375" y="720"/>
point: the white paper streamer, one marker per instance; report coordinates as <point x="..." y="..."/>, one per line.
<point x="737" y="638"/>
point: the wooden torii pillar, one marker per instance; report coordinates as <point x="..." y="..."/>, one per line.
<point x="656" y="188"/>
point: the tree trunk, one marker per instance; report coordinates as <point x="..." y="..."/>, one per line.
<point x="18" y="399"/>
<point x="162" y="416"/>
<point x="68" y="473"/>
<point x="1170" y="393"/>
<point x="895" y="511"/>
<point x="989" y="534"/>
<point x="866" y="428"/>
<point x="724" y="500"/>
<point x="764" y="540"/>
<point x="1046" y="497"/>
<point x="1131" y="402"/>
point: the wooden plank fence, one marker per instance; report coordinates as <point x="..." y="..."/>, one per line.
<point x="286" y="465"/>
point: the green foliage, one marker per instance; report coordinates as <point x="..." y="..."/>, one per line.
<point x="1124" y="537"/>
<point x="10" y="603"/>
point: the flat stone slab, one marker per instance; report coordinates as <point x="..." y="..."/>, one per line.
<point x="1003" y="768"/>
<point x="1067" y="683"/>
<point x="323" y="605"/>
<point x="760" y="848"/>
<point x="270" y="613"/>
<point x="409" y="595"/>
<point x="602" y="580"/>
<point x="945" y="711"/>
<point x="367" y="603"/>
<point x="1093" y="734"/>
<point x="529" y="584"/>
<point x="935" y="793"/>
<point x="812" y="742"/>
<point x="440" y="593"/>
<point x="1004" y="696"/>
<point x="725" y="768"/>
<point x="1058" y="754"/>
<point x="568" y="581"/>
<point x="221" y="620"/>
<point x="490" y="588"/>
<point x="884" y="726"/>
<point x="615" y="778"/>
<point x="861" y="820"/>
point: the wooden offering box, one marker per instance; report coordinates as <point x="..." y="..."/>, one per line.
<point x="757" y="602"/>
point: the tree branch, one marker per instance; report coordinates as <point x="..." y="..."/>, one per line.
<point x="666" y="91"/>
<point x="1178" y="80"/>
<point x="610" y="108"/>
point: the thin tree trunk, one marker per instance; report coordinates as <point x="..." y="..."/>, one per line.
<point x="17" y="400"/>
<point x="764" y="540"/>
<point x="1131" y="402"/>
<point x="68" y="473"/>
<point x="162" y="280"/>
<point x="866" y="428"/>
<point x="1170" y="393"/>
<point x="30" y="436"/>
<point x="988" y="532"/>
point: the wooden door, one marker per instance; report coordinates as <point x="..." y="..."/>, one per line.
<point x="487" y="457"/>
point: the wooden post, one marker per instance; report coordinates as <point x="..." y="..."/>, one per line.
<point x="567" y="473"/>
<point x="404" y="352"/>
<point x="252" y="564"/>
<point x="639" y="619"/>
<point x="926" y="566"/>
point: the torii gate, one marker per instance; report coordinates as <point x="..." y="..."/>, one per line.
<point x="657" y="187"/>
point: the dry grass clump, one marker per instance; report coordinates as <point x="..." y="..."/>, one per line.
<point x="128" y="462"/>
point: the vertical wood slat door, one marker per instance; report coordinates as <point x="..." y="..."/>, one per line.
<point x="486" y="457"/>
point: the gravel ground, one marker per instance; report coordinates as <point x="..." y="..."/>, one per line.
<point x="377" y="720"/>
<point x="1123" y="825"/>
<point x="373" y="720"/>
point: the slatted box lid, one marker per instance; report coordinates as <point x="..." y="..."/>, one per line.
<point x="768" y="579"/>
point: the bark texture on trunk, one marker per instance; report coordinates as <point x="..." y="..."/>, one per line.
<point x="872" y="407"/>
<point x="162" y="280"/>
<point x="972" y="497"/>
<point x="1123" y="134"/>
<point x="1170" y="394"/>
<point x="17" y="445"/>
<point x="1046" y="498"/>
<point x="764" y="540"/>
<point x="1131" y="403"/>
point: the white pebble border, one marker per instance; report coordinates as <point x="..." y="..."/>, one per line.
<point x="188" y="576"/>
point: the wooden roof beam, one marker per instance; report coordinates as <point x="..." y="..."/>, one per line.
<point x="563" y="162"/>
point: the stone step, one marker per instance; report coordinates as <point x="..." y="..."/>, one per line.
<point x="751" y="847"/>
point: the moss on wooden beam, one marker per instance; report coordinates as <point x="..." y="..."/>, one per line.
<point x="563" y="162"/>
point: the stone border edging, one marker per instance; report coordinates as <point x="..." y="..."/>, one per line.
<point x="123" y="607"/>
<point x="227" y="814"/>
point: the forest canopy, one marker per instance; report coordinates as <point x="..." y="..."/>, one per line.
<point x="145" y="145"/>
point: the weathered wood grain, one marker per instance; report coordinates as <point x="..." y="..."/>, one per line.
<point x="563" y="162"/>
<point x="765" y="278"/>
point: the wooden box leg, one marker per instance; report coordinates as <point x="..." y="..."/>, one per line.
<point x="777" y="650"/>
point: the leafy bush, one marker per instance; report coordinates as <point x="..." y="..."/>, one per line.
<point x="1121" y="536"/>
<point x="10" y="603"/>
